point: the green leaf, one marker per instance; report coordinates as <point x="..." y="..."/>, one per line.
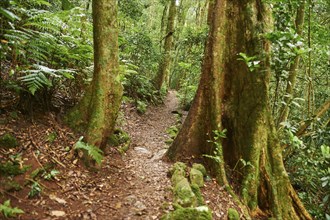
<point x="8" y="14"/>
<point x="8" y="211"/>
<point x="94" y="152"/>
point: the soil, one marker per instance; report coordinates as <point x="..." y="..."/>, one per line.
<point x="127" y="186"/>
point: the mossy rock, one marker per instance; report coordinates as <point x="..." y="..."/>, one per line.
<point x="233" y="214"/>
<point x="8" y="141"/>
<point x="200" y="167"/>
<point x="196" y="177"/>
<point x="177" y="176"/>
<point x="182" y="167"/>
<point x="183" y="194"/>
<point x="198" y="213"/>
<point x="196" y="190"/>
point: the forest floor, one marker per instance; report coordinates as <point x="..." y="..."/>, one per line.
<point x="130" y="186"/>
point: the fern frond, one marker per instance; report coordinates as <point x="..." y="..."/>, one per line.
<point x="35" y="80"/>
<point x="94" y="152"/>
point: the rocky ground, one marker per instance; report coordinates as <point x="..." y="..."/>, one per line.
<point x="133" y="185"/>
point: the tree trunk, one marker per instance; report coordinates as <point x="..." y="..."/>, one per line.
<point x="165" y="63"/>
<point x="230" y="96"/>
<point x="97" y="111"/>
<point x="293" y="70"/>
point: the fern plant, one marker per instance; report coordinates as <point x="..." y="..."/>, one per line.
<point x="94" y="152"/>
<point x="41" y="77"/>
<point x="8" y="211"/>
<point x="41" y="45"/>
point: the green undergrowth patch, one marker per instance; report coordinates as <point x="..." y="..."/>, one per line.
<point x="173" y="131"/>
<point x="8" y="141"/>
<point x="120" y="139"/>
<point x="10" y="168"/>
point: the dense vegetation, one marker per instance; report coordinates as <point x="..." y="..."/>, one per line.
<point x="46" y="58"/>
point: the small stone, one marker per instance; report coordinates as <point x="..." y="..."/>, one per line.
<point x="141" y="150"/>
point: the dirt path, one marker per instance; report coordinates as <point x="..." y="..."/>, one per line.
<point x="149" y="188"/>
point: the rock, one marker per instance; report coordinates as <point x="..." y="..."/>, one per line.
<point x="233" y="214"/>
<point x="183" y="194"/>
<point x="196" y="177"/>
<point x="177" y="176"/>
<point x="142" y="150"/>
<point x="8" y="141"/>
<point x="159" y="154"/>
<point x="200" y="167"/>
<point x="198" y="213"/>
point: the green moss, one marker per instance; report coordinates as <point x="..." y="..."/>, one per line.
<point x="200" y="167"/>
<point x="183" y="194"/>
<point x="233" y="214"/>
<point x="8" y="141"/>
<point x="178" y="166"/>
<point x="196" y="190"/>
<point x="177" y="176"/>
<point x="198" y="213"/>
<point x="196" y="177"/>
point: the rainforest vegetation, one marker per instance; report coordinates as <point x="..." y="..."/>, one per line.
<point x="105" y="99"/>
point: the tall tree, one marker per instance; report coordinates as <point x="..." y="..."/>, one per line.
<point x="165" y="62"/>
<point x="97" y="111"/>
<point x="233" y="95"/>
<point x="293" y="69"/>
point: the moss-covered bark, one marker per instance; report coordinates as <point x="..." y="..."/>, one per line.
<point x="232" y="96"/>
<point x="97" y="111"/>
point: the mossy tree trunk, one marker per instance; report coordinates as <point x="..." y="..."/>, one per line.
<point x="97" y="112"/>
<point x="293" y="70"/>
<point x="231" y="96"/>
<point x="165" y="62"/>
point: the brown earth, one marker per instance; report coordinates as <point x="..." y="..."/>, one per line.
<point x="130" y="186"/>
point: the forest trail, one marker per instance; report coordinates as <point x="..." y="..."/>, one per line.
<point x="147" y="189"/>
<point x="130" y="186"/>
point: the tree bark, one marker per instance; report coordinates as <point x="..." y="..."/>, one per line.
<point x="97" y="111"/>
<point x="230" y="96"/>
<point x="293" y="70"/>
<point x="165" y="63"/>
